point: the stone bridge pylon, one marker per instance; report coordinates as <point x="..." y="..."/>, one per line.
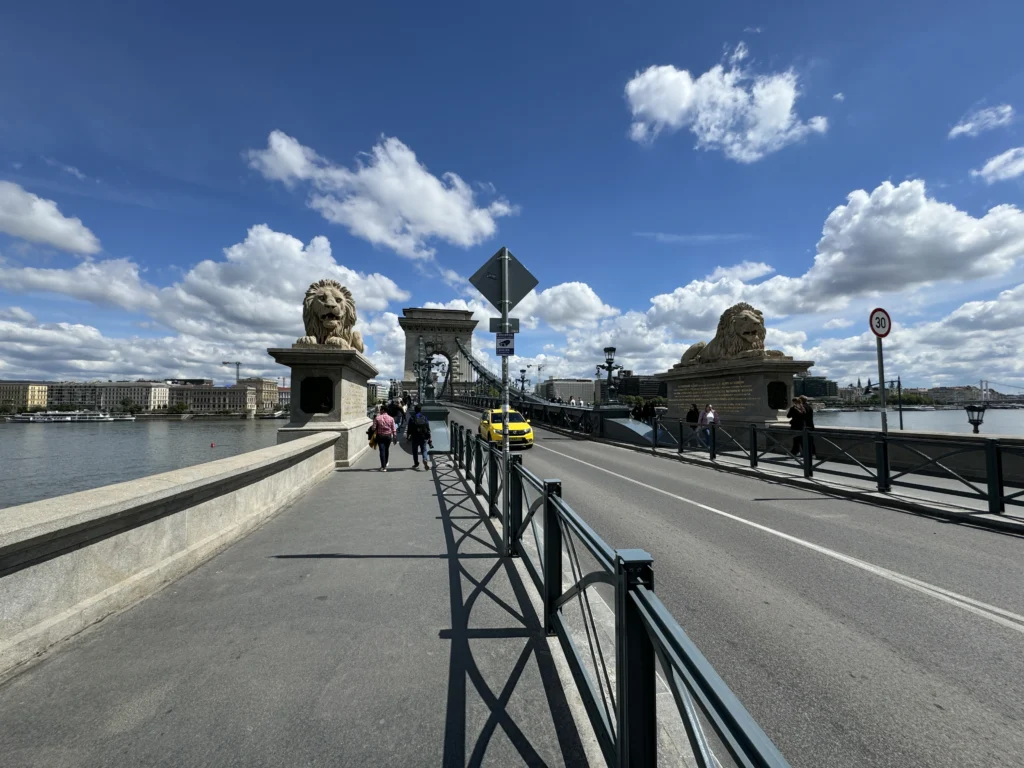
<point x="442" y="327"/>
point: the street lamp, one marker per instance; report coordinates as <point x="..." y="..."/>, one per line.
<point x="899" y="394"/>
<point x="975" y="415"/>
<point x="609" y="365"/>
<point x="522" y="380"/>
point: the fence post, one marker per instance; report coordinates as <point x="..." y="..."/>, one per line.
<point x="681" y="438"/>
<point x="452" y="437"/>
<point x="805" y="452"/>
<point x="634" y="669"/>
<point x="467" y="447"/>
<point x="552" y="553"/>
<point x="994" y="475"/>
<point x="753" y="444"/>
<point x="654" y="438"/>
<point x="478" y="462"/>
<point x="492" y="481"/>
<point x="515" y="508"/>
<point x="882" y="463"/>
<point x="712" y="442"/>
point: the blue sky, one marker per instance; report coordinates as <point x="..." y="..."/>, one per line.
<point x="151" y="127"/>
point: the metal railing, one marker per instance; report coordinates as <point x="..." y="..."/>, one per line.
<point x="887" y="461"/>
<point x="617" y="676"/>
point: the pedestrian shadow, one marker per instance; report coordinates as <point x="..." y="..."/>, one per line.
<point x="495" y="628"/>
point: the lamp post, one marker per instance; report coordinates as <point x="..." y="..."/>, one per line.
<point x="899" y="394"/>
<point x="609" y="366"/>
<point x="522" y="380"/>
<point x="975" y="415"/>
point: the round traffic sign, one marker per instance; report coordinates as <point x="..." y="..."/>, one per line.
<point x="880" y="322"/>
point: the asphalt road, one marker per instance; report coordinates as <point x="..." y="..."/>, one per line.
<point x="855" y="635"/>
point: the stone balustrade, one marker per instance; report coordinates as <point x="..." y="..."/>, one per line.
<point x="67" y="562"/>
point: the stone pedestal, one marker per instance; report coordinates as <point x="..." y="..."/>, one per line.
<point x="757" y="389"/>
<point x="328" y="395"/>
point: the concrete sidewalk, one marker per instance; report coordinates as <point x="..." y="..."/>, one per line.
<point x="370" y="623"/>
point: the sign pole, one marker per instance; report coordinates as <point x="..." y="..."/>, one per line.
<point x="505" y="485"/>
<point x="881" y="386"/>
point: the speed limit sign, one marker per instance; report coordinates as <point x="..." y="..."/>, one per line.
<point x="880" y="323"/>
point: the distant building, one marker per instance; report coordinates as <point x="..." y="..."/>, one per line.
<point x="266" y="392"/>
<point x="284" y="396"/>
<point x="851" y="394"/>
<point x="210" y="399"/>
<point x="581" y="389"/>
<point x="953" y="395"/>
<point x="22" y="395"/>
<point x="814" y="387"/>
<point x="647" y="387"/>
<point x="107" y="395"/>
<point x="196" y="382"/>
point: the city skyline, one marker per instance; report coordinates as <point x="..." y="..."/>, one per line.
<point x="160" y="215"/>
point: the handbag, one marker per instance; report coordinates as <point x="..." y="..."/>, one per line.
<point x="371" y="435"/>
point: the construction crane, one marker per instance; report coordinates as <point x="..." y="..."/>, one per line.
<point x="238" y="370"/>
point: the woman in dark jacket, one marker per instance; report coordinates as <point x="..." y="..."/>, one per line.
<point x="808" y="421"/>
<point x="797" y="418"/>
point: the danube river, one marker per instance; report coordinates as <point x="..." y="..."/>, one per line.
<point x="43" y="460"/>
<point x="38" y="461"/>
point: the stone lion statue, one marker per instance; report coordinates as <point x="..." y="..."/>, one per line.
<point x="740" y="335"/>
<point x="329" y="312"/>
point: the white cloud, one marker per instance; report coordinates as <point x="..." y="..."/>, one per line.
<point x="389" y="199"/>
<point x="982" y="120"/>
<point x="68" y="169"/>
<point x="747" y="270"/>
<point x="33" y="218"/>
<point x="893" y="239"/>
<point x="838" y="322"/>
<point x="567" y="305"/>
<point x="247" y="301"/>
<point x="839" y="96"/>
<point x="1008" y="165"/>
<point x="668" y="237"/>
<point x="744" y="115"/>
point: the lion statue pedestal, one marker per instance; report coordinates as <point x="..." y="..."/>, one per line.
<point x="329" y="373"/>
<point x="734" y="372"/>
<point x="328" y="395"/>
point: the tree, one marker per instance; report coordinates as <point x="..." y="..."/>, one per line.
<point x="130" y="406"/>
<point x="177" y="408"/>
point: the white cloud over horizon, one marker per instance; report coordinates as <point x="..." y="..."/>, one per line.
<point x="746" y="116"/>
<point x="894" y="241"/>
<point x="389" y="198"/>
<point x="38" y="220"/>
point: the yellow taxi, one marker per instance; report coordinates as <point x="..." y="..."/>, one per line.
<point x="520" y="433"/>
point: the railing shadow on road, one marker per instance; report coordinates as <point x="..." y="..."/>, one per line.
<point x="467" y="525"/>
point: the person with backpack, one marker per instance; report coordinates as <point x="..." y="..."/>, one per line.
<point x="418" y="435"/>
<point x="385" y="431"/>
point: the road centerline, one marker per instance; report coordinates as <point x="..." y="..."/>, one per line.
<point x="993" y="613"/>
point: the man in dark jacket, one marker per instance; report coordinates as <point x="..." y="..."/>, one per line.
<point x="418" y="434"/>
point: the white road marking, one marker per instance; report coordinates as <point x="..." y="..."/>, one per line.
<point x="993" y="613"/>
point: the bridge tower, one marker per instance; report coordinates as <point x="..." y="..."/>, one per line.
<point x="442" y="327"/>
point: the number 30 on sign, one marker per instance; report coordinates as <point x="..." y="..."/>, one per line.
<point x="880" y="323"/>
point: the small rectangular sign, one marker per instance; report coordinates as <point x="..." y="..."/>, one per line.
<point x="513" y="323"/>
<point x="505" y="344"/>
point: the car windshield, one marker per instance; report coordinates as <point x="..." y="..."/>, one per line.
<point x="513" y="418"/>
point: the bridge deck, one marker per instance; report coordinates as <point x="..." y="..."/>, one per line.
<point x="371" y="623"/>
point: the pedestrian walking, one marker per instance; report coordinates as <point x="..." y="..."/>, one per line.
<point x="706" y="421"/>
<point x="692" y="417"/>
<point x="797" y="419"/>
<point x="384" y="427"/>
<point x="418" y="435"/>
<point x="395" y="412"/>
<point x="809" y="423"/>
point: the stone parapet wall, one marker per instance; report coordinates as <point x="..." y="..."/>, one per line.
<point x="69" y="561"/>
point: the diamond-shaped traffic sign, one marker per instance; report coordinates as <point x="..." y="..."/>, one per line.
<point x="487" y="280"/>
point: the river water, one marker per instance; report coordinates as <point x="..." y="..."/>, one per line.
<point x="38" y="461"/>
<point x="997" y="422"/>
